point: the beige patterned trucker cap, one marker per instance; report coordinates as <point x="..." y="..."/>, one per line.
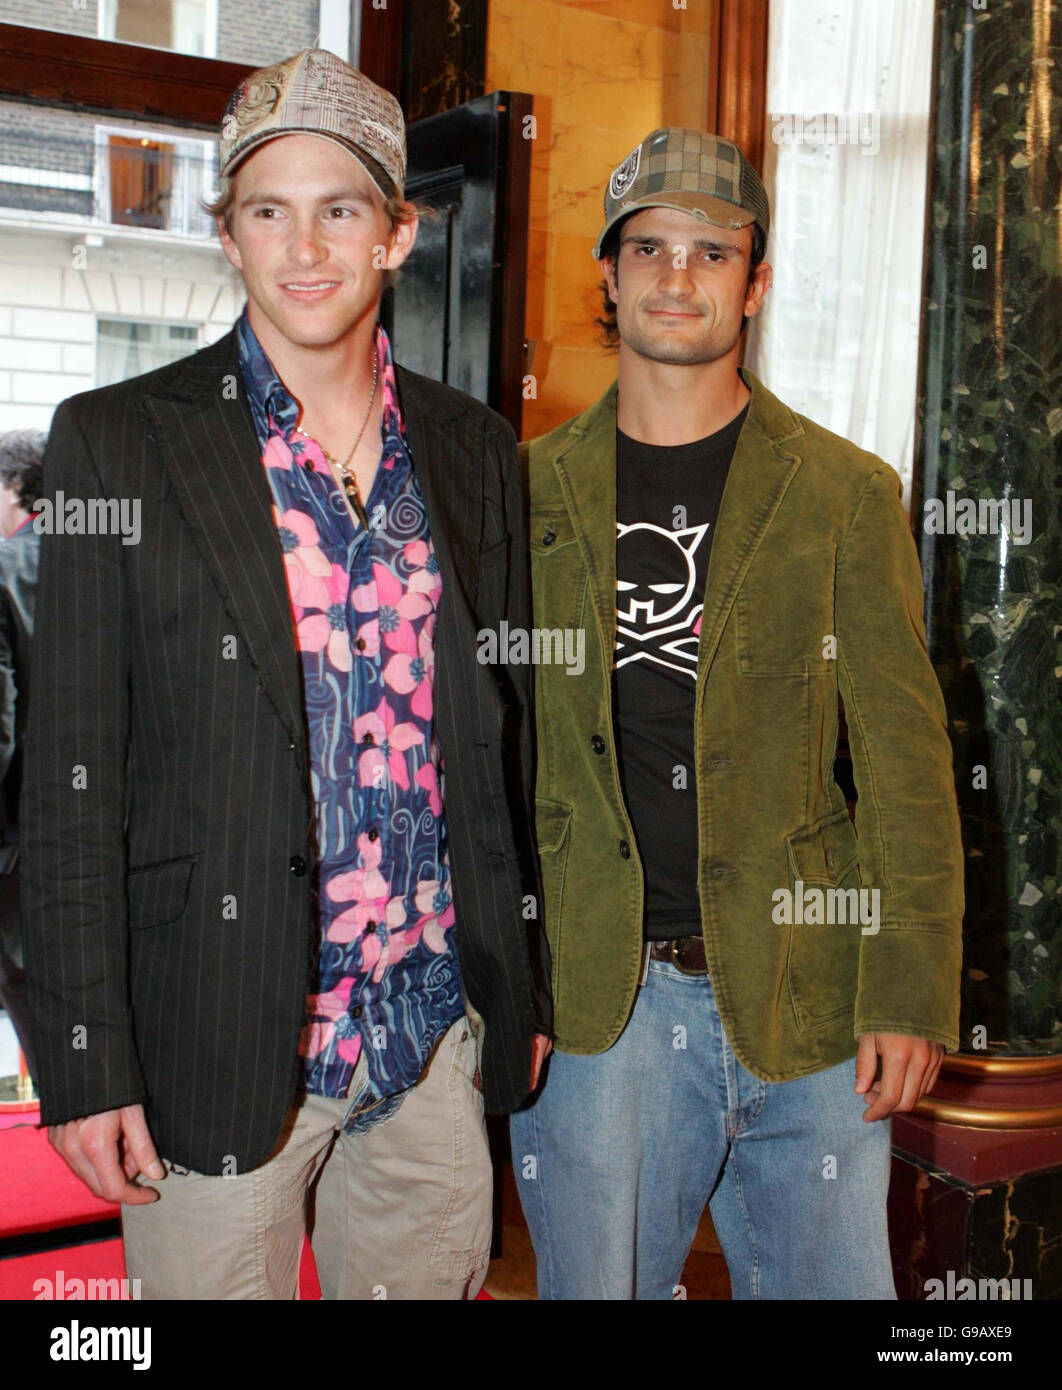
<point x="316" y="93"/>
<point x="697" y="173"/>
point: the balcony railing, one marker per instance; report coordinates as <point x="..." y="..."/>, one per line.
<point x="152" y="182"/>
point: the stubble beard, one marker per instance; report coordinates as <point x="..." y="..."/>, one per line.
<point x="672" y="351"/>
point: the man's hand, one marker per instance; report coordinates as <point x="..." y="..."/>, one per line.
<point x="540" y="1050"/>
<point x="108" y="1150"/>
<point x="909" y="1068"/>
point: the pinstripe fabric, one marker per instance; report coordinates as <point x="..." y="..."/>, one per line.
<point x="168" y="935"/>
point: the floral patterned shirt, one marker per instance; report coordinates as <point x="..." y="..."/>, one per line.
<point x="364" y="605"/>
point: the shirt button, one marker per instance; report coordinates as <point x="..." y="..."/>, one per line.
<point x="356" y="1011"/>
<point x="370" y="927"/>
<point x="369" y="738"/>
<point x="624" y="849"/>
<point x="597" y="743"/>
<point x="549" y="537"/>
<point x="298" y="865"/>
<point x="360" y="644"/>
<point x="373" y="833"/>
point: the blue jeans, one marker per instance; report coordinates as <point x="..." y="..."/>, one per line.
<point x="617" y="1157"/>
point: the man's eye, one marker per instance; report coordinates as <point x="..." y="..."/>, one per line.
<point x="264" y="212"/>
<point x="340" y="212"/>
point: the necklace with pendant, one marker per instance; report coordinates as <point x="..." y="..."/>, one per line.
<point x="345" y="472"/>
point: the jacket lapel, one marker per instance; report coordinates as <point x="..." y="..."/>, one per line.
<point x="588" y="483"/>
<point x="201" y="422"/>
<point x="760" y="472"/>
<point x="449" y="468"/>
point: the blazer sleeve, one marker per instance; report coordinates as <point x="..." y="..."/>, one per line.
<point x="518" y="615"/>
<point x="907" y="819"/>
<point x="74" y="907"/>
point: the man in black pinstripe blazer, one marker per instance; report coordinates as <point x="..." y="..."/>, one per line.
<point x="185" y="796"/>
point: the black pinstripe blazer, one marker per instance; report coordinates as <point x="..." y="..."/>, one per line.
<point x="167" y="767"/>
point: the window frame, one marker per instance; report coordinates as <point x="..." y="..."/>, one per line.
<point x="180" y="142"/>
<point x="106" y="9"/>
<point x="194" y="343"/>
<point x="107" y="78"/>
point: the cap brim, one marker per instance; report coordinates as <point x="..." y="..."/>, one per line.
<point x="717" y="212"/>
<point x="375" y="170"/>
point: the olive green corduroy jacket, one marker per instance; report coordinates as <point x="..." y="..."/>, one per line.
<point x="811" y="542"/>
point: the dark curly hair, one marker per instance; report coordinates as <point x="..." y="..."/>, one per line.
<point x="606" y="323"/>
<point x="21" y="459"/>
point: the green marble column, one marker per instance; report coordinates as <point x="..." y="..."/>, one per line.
<point x="990" y="422"/>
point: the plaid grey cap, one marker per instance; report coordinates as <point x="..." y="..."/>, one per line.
<point x="701" y="174"/>
<point x="316" y="93"/>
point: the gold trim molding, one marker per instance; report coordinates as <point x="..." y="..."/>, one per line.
<point x="951" y="1112"/>
<point x="991" y="1115"/>
<point x="1003" y="1068"/>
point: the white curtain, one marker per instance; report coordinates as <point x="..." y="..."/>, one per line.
<point x="848" y="99"/>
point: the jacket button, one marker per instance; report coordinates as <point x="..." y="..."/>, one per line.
<point x="829" y="861"/>
<point x="624" y="849"/>
<point x="298" y="865"/>
<point x="291" y="746"/>
<point x="356" y="1011"/>
<point x="597" y="743"/>
<point x="548" y="537"/>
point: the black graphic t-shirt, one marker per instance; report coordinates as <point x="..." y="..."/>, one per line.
<point x="667" y="502"/>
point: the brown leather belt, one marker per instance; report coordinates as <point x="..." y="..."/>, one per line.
<point x="685" y="953"/>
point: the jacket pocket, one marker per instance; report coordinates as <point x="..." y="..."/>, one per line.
<point x="822" y="966"/>
<point x="553" y="822"/>
<point x="785" y="609"/>
<point x="158" y="893"/>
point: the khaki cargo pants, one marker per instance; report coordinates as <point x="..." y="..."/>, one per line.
<point x="401" y="1211"/>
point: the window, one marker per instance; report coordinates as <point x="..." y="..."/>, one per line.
<point x="184" y="26"/>
<point x="125" y="348"/>
<point x="155" y="182"/>
<point x="848" y="95"/>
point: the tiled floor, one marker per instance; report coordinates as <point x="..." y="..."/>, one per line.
<point x="512" y="1272"/>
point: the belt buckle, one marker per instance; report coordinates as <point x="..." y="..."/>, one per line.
<point x="675" y="958"/>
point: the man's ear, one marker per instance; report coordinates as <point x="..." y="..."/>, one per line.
<point x="758" y="286"/>
<point x="232" y="251"/>
<point x="608" y="270"/>
<point x="403" y="239"/>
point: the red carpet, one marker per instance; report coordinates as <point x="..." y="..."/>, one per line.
<point x="57" y="1272"/>
<point x="38" y="1192"/>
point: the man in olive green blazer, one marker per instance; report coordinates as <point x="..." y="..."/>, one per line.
<point x="746" y="985"/>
